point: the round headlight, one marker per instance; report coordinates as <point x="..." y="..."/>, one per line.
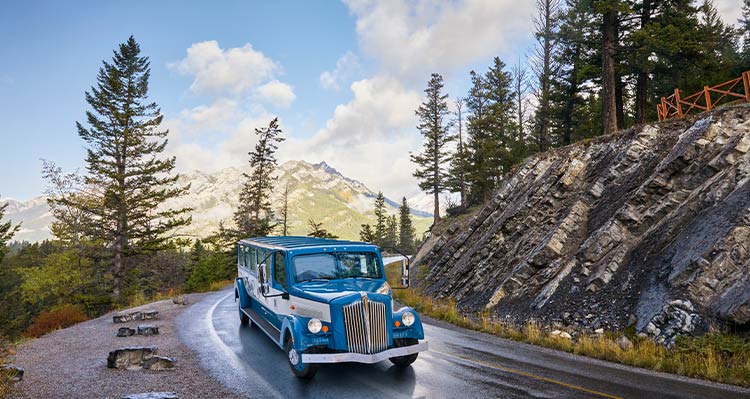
<point x="407" y="318"/>
<point x="314" y="325"/>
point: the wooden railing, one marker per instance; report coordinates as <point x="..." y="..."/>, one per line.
<point x="733" y="91"/>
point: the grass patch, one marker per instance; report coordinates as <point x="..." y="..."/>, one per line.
<point x="6" y="377"/>
<point x="715" y="356"/>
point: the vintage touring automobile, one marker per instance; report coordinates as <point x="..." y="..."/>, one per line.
<point x="325" y="301"/>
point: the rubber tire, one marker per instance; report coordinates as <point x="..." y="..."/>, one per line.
<point x="406" y="360"/>
<point x="244" y="319"/>
<point x="305" y="373"/>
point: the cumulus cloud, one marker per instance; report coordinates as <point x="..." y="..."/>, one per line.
<point x="216" y="70"/>
<point x="412" y="38"/>
<point x="277" y="93"/>
<point x="368" y="138"/>
<point x="346" y="67"/>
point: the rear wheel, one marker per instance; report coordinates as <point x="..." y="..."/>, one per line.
<point x="404" y="361"/>
<point x="300" y="370"/>
<point x="244" y="319"/>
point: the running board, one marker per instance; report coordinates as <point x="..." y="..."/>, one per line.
<point x="268" y="328"/>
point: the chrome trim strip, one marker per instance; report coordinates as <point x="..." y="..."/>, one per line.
<point x="363" y="358"/>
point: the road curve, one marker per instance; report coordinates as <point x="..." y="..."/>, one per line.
<point x="460" y="364"/>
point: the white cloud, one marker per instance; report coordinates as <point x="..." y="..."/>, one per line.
<point x="346" y="67"/>
<point x="277" y="93"/>
<point x="369" y="138"/>
<point x="234" y="70"/>
<point x="730" y="10"/>
<point x="413" y="38"/>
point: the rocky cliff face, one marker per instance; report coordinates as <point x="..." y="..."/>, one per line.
<point x="650" y="227"/>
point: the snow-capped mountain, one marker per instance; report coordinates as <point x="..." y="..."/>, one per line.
<point x="316" y="191"/>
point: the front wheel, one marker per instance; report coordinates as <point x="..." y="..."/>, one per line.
<point x="244" y="319"/>
<point x="300" y="370"/>
<point x="404" y="361"/>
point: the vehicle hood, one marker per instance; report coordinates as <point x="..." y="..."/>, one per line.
<point x="326" y="291"/>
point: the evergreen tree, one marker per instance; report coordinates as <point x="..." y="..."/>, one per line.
<point x="380" y="219"/>
<point x="7" y="231"/>
<point x="434" y="127"/>
<point x="317" y="230"/>
<point x="744" y="31"/>
<point x="405" y="228"/>
<point x="459" y="162"/>
<point x="391" y="232"/>
<point x="129" y="180"/>
<point x="366" y="234"/>
<point x="545" y="31"/>
<point x="254" y="216"/>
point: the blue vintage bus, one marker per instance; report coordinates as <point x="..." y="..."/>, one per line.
<point x="324" y="301"/>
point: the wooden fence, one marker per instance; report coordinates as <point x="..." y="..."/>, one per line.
<point x="733" y="91"/>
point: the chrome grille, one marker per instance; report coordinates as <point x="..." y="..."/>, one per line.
<point x="366" y="329"/>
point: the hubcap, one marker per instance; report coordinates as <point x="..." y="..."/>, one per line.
<point x="293" y="356"/>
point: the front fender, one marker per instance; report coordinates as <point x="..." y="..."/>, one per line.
<point x="414" y="331"/>
<point x="296" y="327"/>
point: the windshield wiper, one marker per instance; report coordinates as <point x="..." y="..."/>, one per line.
<point x="359" y="277"/>
<point x="314" y="279"/>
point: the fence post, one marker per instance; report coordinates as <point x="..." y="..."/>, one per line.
<point x="658" y="112"/>
<point x="664" y="109"/>
<point x="677" y="102"/>
<point x="746" y="81"/>
<point x="707" y="94"/>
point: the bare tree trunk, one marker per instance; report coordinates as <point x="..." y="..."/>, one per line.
<point x="642" y="80"/>
<point x="609" y="89"/>
<point x="461" y="177"/>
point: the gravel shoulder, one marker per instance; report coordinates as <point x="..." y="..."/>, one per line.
<point x="72" y="363"/>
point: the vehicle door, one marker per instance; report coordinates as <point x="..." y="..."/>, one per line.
<point x="278" y="285"/>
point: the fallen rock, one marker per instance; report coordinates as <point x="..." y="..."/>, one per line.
<point x="150" y="315"/>
<point x="148" y="329"/>
<point x="131" y="358"/>
<point x="624" y="343"/>
<point x="159" y="363"/>
<point x="15" y="372"/>
<point x="125" y="332"/>
<point x="599" y="331"/>
<point x="555" y="333"/>
<point x="152" y="395"/>
<point x="565" y="335"/>
<point x="180" y="299"/>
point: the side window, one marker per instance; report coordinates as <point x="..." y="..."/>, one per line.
<point x="250" y="259"/>
<point x="240" y="256"/>
<point x="279" y="269"/>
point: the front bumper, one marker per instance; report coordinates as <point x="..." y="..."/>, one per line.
<point x="362" y="358"/>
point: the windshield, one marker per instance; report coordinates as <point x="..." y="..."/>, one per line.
<point x="336" y="266"/>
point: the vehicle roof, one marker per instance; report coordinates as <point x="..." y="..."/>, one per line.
<point x="295" y="242"/>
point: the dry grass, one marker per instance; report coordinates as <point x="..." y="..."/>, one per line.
<point x="716" y="357"/>
<point x="59" y="317"/>
<point x="6" y="382"/>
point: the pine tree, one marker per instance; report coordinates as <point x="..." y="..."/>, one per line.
<point x="431" y="170"/>
<point x="380" y="219"/>
<point x="254" y="217"/>
<point x="459" y="162"/>
<point x="744" y="31"/>
<point x="609" y="13"/>
<point x="7" y="231"/>
<point x="545" y="25"/>
<point x="391" y="232"/>
<point x="123" y="147"/>
<point x="405" y="228"/>
<point x="366" y="234"/>
<point x="318" y="231"/>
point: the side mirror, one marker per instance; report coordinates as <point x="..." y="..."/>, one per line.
<point x="264" y="288"/>
<point x="405" y="272"/>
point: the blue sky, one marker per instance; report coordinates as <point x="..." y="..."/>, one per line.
<point x="343" y="77"/>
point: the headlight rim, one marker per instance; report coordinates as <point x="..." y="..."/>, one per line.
<point x="408" y="318"/>
<point x="314" y="325"/>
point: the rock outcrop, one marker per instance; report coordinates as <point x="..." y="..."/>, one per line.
<point x="650" y="227"/>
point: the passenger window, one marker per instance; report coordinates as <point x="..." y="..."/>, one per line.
<point x="251" y="259"/>
<point x="241" y="256"/>
<point x="279" y="269"/>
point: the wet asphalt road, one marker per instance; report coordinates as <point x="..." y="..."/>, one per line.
<point x="460" y="364"/>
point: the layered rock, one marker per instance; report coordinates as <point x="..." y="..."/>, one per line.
<point x="612" y="232"/>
